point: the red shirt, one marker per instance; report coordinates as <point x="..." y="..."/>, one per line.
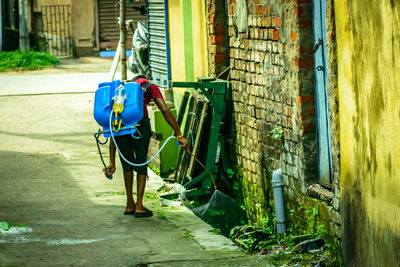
<point x="152" y="92"/>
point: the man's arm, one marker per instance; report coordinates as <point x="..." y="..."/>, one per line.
<point x="169" y="117"/>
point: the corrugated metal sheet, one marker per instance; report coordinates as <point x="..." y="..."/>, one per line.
<point x="159" y="62"/>
<point x="108" y="19"/>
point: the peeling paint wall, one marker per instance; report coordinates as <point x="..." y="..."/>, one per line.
<point x="188" y="42"/>
<point x="368" y="37"/>
<point x="188" y="39"/>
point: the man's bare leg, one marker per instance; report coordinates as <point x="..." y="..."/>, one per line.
<point x="141" y="183"/>
<point x="130" y="203"/>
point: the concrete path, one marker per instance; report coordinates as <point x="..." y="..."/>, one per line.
<point x="51" y="181"/>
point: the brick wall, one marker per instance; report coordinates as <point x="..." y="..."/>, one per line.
<point x="273" y="87"/>
<point x="217" y="43"/>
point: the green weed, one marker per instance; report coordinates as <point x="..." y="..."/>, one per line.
<point x="187" y="234"/>
<point x="161" y="214"/>
<point x="26" y="60"/>
<point x="5" y="226"/>
<point x="150" y="196"/>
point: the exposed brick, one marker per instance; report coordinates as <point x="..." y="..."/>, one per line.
<point x="220" y="58"/>
<point x="211" y="8"/>
<point x="298" y="10"/>
<point x="288" y="111"/>
<point x="218" y="39"/>
<point x="264" y="10"/>
<point x="305" y="24"/>
<point x="273" y="21"/>
<point x="308" y="128"/>
<point x="293" y="36"/>
<point x="303" y="62"/>
<point x="278" y="22"/>
<point x="290" y="124"/>
<point x="232" y="10"/>
<point x="308" y="114"/>
<point x="214" y="49"/>
<point x="217" y="29"/>
<point x="306" y="100"/>
<point x="213" y="18"/>
<point x="259" y="10"/>
<point x="276" y="36"/>
<point x="302" y="1"/>
<point x="305" y="52"/>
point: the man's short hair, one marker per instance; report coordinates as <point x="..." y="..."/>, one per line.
<point x="137" y="77"/>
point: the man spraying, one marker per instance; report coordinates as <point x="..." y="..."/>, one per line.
<point x="135" y="150"/>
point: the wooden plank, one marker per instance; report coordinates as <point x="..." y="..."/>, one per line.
<point x="182" y="108"/>
<point x="192" y="130"/>
<point x="185" y="133"/>
<point x="199" y="133"/>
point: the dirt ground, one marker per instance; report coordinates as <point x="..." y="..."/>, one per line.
<point x="51" y="181"/>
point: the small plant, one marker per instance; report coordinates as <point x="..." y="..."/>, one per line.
<point x="161" y="214"/>
<point x="150" y="196"/>
<point x="215" y="231"/>
<point x="236" y="186"/>
<point x="230" y="173"/>
<point x="5" y="226"/>
<point x="276" y="133"/>
<point x="187" y="233"/>
<point x="154" y="169"/>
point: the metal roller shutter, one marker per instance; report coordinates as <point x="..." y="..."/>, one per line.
<point x="108" y="14"/>
<point x="159" y="47"/>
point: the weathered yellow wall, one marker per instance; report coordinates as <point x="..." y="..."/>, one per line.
<point x="176" y="40"/>
<point x="180" y="44"/>
<point x="199" y="38"/>
<point x="188" y="42"/>
<point x="368" y="38"/>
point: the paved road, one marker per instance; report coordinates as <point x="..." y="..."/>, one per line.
<point x="51" y="181"/>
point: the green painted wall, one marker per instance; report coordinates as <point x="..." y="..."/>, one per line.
<point x="169" y="155"/>
<point x="368" y="38"/>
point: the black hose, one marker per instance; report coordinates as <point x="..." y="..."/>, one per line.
<point x="96" y="136"/>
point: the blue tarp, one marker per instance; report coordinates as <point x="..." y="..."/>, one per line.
<point x="112" y="53"/>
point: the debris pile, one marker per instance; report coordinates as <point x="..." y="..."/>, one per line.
<point x="284" y="250"/>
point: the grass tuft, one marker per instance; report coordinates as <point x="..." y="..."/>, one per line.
<point x="26" y="60"/>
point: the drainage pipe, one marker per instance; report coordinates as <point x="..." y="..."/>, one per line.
<point x="277" y="185"/>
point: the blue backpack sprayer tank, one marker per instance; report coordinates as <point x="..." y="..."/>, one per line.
<point x="118" y="108"/>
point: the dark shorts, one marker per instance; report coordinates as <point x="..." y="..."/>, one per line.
<point x="135" y="150"/>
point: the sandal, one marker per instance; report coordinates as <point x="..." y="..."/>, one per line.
<point x="147" y="213"/>
<point x="132" y="212"/>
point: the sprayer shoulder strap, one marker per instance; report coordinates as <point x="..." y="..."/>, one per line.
<point x="145" y="86"/>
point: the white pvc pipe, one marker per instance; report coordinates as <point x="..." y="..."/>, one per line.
<point x="277" y="184"/>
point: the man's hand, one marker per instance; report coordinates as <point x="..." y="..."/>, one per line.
<point x="110" y="170"/>
<point x="184" y="143"/>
